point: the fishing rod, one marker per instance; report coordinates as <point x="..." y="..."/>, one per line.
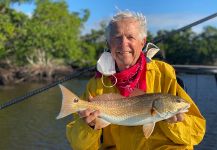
<point x="42" y="89"/>
<point x="159" y="39"/>
<point x="93" y="68"/>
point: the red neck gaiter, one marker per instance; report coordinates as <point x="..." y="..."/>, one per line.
<point x="133" y="77"/>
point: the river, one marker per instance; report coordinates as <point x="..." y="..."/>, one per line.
<point x="31" y="124"/>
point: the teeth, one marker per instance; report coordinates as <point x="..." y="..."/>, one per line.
<point x="123" y="52"/>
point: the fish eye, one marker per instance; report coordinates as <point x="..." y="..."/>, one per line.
<point x="75" y="100"/>
<point x="179" y="100"/>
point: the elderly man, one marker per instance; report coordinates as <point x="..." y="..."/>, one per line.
<point x="126" y="36"/>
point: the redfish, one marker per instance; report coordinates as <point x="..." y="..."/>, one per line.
<point x="138" y="109"/>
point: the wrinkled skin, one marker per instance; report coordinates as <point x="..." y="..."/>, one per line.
<point x="125" y="43"/>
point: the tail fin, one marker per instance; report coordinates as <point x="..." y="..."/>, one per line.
<point x="69" y="101"/>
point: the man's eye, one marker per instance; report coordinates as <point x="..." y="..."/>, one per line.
<point x="130" y="37"/>
<point x="115" y="37"/>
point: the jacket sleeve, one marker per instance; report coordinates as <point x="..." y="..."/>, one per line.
<point x="189" y="132"/>
<point x="79" y="134"/>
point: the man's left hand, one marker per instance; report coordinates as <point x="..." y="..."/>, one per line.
<point x="177" y="118"/>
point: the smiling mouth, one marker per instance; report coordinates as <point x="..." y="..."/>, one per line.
<point x="123" y="52"/>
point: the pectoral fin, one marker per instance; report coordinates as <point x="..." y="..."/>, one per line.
<point x="148" y="129"/>
<point x="153" y="112"/>
<point x="100" y="123"/>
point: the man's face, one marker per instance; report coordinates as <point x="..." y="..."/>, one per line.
<point x="125" y="43"/>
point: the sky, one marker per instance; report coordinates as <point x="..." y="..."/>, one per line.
<point x="160" y="14"/>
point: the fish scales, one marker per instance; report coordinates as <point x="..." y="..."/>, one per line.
<point x="141" y="109"/>
<point x="120" y="107"/>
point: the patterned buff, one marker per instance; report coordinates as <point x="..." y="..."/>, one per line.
<point x="133" y="77"/>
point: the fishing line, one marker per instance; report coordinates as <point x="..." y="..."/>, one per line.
<point x="93" y="68"/>
<point x="40" y="90"/>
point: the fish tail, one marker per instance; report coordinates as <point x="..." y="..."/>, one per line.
<point x="69" y="102"/>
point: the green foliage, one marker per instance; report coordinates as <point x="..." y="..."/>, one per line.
<point x="96" y="39"/>
<point x="206" y="43"/>
<point x="178" y="47"/>
<point x="190" y="48"/>
<point x="6" y="28"/>
<point x="53" y="34"/>
<point x="11" y="28"/>
<point x="6" y="3"/>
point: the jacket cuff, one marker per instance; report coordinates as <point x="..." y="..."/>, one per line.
<point x="80" y="126"/>
<point x="78" y="131"/>
<point x="179" y="133"/>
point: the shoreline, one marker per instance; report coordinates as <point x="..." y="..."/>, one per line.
<point x="15" y="75"/>
<point x="47" y="74"/>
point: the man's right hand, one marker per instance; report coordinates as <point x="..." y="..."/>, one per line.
<point x="89" y="116"/>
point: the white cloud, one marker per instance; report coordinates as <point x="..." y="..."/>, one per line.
<point x="176" y="21"/>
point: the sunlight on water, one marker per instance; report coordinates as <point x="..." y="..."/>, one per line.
<point x="203" y="90"/>
<point x="31" y="124"/>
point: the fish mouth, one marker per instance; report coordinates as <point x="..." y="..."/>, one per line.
<point x="185" y="109"/>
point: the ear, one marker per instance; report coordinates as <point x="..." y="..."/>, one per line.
<point x="143" y="41"/>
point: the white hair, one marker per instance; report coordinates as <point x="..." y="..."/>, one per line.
<point x="129" y="15"/>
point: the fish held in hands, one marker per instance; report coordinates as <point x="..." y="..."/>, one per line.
<point x="137" y="109"/>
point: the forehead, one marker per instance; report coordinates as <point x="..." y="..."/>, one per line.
<point x="125" y="25"/>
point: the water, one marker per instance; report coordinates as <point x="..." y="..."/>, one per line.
<point x="31" y="124"/>
<point x="203" y="90"/>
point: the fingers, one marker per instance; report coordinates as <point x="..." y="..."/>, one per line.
<point x="177" y="118"/>
<point x="92" y="123"/>
<point x="85" y="113"/>
<point x="172" y="119"/>
<point x="180" y="117"/>
<point x="89" y="116"/>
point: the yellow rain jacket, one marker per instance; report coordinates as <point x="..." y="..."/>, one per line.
<point x="182" y="135"/>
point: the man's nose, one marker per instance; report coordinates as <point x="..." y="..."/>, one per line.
<point x="124" y="41"/>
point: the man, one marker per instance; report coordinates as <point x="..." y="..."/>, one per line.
<point x="126" y="36"/>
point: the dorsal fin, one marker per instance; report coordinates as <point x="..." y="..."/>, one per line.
<point x="109" y="96"/>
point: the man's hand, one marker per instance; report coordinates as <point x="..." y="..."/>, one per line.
<point x="177" y="118"/>
<point x="89" y="116"/>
